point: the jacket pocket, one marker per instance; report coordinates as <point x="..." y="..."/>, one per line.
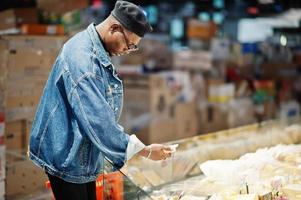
<point x="84" y="152"/>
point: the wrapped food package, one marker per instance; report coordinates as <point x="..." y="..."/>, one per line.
<point x="244" y="197"/>
<point x="295" y="132"/>
<point x="292" y="191"/>
<point x="265" y="159"/>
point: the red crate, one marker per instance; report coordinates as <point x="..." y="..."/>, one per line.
<point x="113" y="186"/>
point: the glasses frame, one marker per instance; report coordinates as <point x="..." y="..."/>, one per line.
<point x="130" y="47"/>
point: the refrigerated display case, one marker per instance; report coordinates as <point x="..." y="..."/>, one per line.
<point x="241" y="163"/>
<point x="182" y="176"/>
<point x="115" y="185"/>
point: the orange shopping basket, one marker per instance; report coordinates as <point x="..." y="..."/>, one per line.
<point x="108" y="186"/>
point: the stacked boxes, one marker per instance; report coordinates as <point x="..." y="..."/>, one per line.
<point x="152" y="111"/>
<point x="22" y="176"/>
<point x="61" y="6"/>
<point x="26" y="64"/>
<point x="192" y="60"/>
<point x="147" y="106"/>
<point x="12" y="19"/>
<point x="200" y="30"/>
<point x="42" y="29"/>
<point x="3" y="57"/>
<point x="221" y="93"/>
<point x="17" y="134"/>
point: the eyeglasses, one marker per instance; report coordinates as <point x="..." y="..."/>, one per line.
<point x="130" y="47"/>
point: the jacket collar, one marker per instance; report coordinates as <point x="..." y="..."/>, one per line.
<point x="98" y="48"/>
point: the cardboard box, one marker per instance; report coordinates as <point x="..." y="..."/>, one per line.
<point x="23" y="178"/>
<point x="20" y="87"/>
<point x="188" y="59"/>
<point x="25" y="90"/>
<point x="22" y="101"/>
<point x="157" y="59"/>
<point x="212" y="83"/>
<point x="35" y="42"/>
<point x="60" y="7"/>
<point x="213" y="117"/>
<point x="290" y="109"/>
<point x="23" y="78"/>
<point x="220" y="49"/>
<point x="241" y="112"/>
<point x="20" y="113"/>
<point x="3" y="64"/>
<point x="146" y="94"/>
<point x="147" y="108"/>
<point x="221" y="93"/>
<point x="158" y="131"/>
<point x="200" y="30"/>
<point x="41" y="29"/>
<point x="13" y="18"/>
<point x="185" y="120"/>
<point x="136" y="59"/>
<point x="181" y="124"/>
<point x="17" y="135"/>
<point x="18" y="63"/>
<point x="150" y="108"/>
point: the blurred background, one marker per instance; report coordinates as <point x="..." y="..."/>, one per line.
<point x="209" y="65"/>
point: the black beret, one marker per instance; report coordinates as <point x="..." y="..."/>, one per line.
<point x="131" y="17"/>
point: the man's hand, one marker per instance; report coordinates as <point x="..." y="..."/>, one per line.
<point x="156" y="152"/>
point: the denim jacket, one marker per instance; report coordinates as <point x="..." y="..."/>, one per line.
<point x="75" y="124"/>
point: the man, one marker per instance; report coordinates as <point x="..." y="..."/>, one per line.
<point x="75" y="125"/>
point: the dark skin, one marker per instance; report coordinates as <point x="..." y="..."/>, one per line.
<point x="119" y="41"/>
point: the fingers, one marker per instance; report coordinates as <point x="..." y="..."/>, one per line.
<point x="171" y="148"/>
<point x="167" y="149"/>
<point x="161" y="152"/>
<point x="166" y="154"/>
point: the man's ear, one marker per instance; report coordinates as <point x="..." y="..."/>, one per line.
<point x="114" y="28"/>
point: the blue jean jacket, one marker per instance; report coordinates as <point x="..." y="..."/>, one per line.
<point x="76" y="122"/>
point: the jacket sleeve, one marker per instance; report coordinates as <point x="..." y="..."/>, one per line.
<point x="96" y="118"/>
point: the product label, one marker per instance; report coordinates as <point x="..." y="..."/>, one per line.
<point x="51" y="30"/>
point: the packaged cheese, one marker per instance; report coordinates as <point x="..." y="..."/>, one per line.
<point x="292" y="191"/>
